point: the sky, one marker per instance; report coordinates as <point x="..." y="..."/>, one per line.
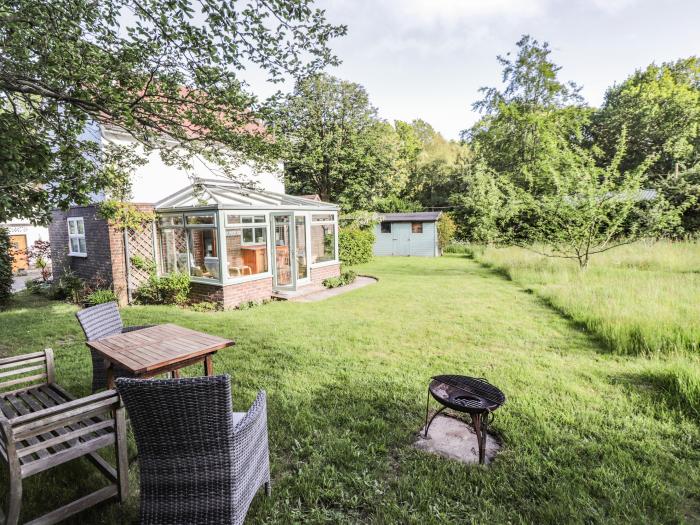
<point x="427" y="58"/>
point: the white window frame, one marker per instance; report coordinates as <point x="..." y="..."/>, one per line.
<point x="76" y="235"/>
<point x="311" y="223"/>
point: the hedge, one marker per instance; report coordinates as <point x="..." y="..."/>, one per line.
<point x="5" y="268"/>
<point x="356" y="245"/>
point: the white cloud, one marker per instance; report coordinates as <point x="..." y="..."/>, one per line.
<point x="612" y="6"/>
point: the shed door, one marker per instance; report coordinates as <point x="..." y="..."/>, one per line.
<point x="401" y="238"/>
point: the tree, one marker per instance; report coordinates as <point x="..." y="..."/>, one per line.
<point x="395" y="204"/>
<point x="335" y="145"/>
<point x="171" y="77"/>
<point x="660" y="108"/>
<point x="432" y="177"/>
<point x="446" y="230"/>
<point x="591" y="210"/>
<point x="6" y="277"/>
<point x="530" y="121"/>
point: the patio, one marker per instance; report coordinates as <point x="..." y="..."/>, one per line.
<point x="346" y="396"/>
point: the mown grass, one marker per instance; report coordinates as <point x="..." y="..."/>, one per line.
<point x="589" y="436"/>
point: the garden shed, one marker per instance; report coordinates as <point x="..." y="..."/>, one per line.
<point x="408" y="234"/>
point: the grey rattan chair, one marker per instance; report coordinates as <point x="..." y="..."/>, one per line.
<point x="199" y="461"/>
<point x="100" y="321"/>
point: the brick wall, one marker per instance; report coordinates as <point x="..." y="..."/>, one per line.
<point x="324" y="272"/>
<point x="105" y="263"/>
<point x="232" y="295"/>
<point x="98" y="263"/>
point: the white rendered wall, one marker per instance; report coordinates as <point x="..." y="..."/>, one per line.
<point x="155" y="180"/>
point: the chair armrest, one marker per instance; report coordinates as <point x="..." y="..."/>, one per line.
<point x="256" y="415"/>
<point x="135" y="328"/>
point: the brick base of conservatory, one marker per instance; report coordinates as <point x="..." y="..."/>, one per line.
<point x="324" y="272"/>
<point x="231" y="295"/>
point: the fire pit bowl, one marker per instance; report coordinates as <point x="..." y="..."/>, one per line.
<point x="471" y="395"/>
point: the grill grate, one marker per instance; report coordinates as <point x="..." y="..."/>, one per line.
<point x="475" y="386"/>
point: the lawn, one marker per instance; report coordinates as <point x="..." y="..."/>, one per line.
<point x="589" y="436"/>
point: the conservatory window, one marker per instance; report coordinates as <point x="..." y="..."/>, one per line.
<point x="173" y="250"/>
<point x="246" y="246"/>
<point x="322" y="238"/>
<point x="76" y="237"/>
<point x="204" y="258"/>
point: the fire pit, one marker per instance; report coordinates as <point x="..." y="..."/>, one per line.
<point x="471" y="395"/>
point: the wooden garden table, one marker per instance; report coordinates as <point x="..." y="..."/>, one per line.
<point x="158" y="349"/>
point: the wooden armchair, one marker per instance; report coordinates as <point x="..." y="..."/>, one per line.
<point x="43" y="426"/>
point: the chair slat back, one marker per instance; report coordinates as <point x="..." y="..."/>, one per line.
<point x="24" y="371"/>
<point x="100" y="321"/>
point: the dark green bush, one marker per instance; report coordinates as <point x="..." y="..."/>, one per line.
<point x="100" y="297"/>
<point x="5" y="268"/>
<point x="173" y="288"/>
<point x="355" y="245"/>
<point x="346" y="277"/>
<point x="69" y="286"/>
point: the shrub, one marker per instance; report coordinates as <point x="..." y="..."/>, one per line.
<point x="173" y="288"/>
<point x="5" y="268"/>
<point x="446" y="230"/>
<point x="460" y="248"/>
<point x="37" y="286"/>
<point x="40" y="255"/>
<point x="69" y="286"/>
<point x="355" y="245"/>
<point x="247" y="305"/>
<point x="100" y="297"/>
<point x="205" y="306"/>
<point x="345" y="278"/>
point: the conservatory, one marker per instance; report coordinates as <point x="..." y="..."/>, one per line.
<point x="239" y="245"/>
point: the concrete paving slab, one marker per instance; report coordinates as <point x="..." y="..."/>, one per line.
<point x="452" y="438"/>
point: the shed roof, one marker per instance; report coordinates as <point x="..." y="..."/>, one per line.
<point x="424" y="216"/>
<point x="230" y="195"/>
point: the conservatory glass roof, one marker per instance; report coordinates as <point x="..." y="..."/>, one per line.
<point x="230" y="195"/>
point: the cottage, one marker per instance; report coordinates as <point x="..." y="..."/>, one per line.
<point x="408" y="234"/>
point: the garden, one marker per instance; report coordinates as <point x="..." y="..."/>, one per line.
<point x="590" y="433"/>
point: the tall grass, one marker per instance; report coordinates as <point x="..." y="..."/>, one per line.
<point x="638" y="299"/>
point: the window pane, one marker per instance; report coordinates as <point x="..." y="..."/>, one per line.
<point x="74" y="246"/>
<point x="248" y="235"/>
<point x="259" y="218"/>
<point x="173" y="250"/>
<point x="81" y="245"/>
<point x="199" y="219"/>
<point x="81" y="226"/>
<point x="322" y="218"/>
<point x="247" y="219"/>
<point x="71" y="227"/>
<point x="302" y="267"/>
<point x="260" y="235"/>
<point x="204" y="261"/>
<point x="170" y="220"/>
<point x="417" y="227"/>
<point x="233" y="218"/>
<point x="386" y="227"/>
<point x="322" y="242"/>
<point x="245" y="259"/>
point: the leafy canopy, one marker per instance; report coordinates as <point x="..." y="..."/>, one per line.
<point x="335" y="144"/>
<point x="168" y="74"/>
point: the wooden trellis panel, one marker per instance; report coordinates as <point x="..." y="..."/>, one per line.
<point x="140" y="244"/>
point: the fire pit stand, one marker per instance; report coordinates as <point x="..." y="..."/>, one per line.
<point x="471" y="395"/>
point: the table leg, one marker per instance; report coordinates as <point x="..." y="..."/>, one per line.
<point x="175" y="374"/>
<point x="110" y="376"/>
<point x="209" y="365"/>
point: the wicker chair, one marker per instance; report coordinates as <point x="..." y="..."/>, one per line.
<point x="97" y="322"/>
<point x="199" y="461"/>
